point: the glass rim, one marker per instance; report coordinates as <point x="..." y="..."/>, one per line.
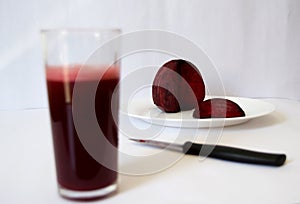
<point x="80" y="30"/>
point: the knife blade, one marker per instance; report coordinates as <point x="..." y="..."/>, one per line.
<point x="220" y="152"/>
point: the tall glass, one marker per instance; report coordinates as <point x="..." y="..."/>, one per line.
<point x="69" y="65"/>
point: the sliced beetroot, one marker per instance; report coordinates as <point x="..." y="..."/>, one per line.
<point x="218" y="108"/>
<point x="177" y="86"/>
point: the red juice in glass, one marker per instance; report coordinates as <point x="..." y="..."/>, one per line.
<point x="76" y="169"/>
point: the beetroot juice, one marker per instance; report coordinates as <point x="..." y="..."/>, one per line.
<point x="76" y="169"/>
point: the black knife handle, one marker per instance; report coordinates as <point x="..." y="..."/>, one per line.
<point x="235" y="154"/>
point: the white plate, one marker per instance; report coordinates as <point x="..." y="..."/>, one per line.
<point x="147" y="111"/>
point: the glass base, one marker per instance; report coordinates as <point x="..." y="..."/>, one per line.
<point x="87" y="195"/>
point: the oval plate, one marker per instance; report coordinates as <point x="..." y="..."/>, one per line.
<point x="145" y="110"/>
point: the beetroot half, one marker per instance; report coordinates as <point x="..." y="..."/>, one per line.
<point x="178" y="86"/>
<point x="218" y="108"/>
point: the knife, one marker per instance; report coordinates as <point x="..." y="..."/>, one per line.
<point x="221" y="152"/>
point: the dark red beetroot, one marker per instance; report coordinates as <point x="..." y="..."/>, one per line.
<point x="218" y="108"/>
<point x="177" y="86"/>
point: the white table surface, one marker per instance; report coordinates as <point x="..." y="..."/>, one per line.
<point x="27" y="173"/>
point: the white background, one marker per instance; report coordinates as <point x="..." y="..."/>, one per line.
<point x="255" y="44"/>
